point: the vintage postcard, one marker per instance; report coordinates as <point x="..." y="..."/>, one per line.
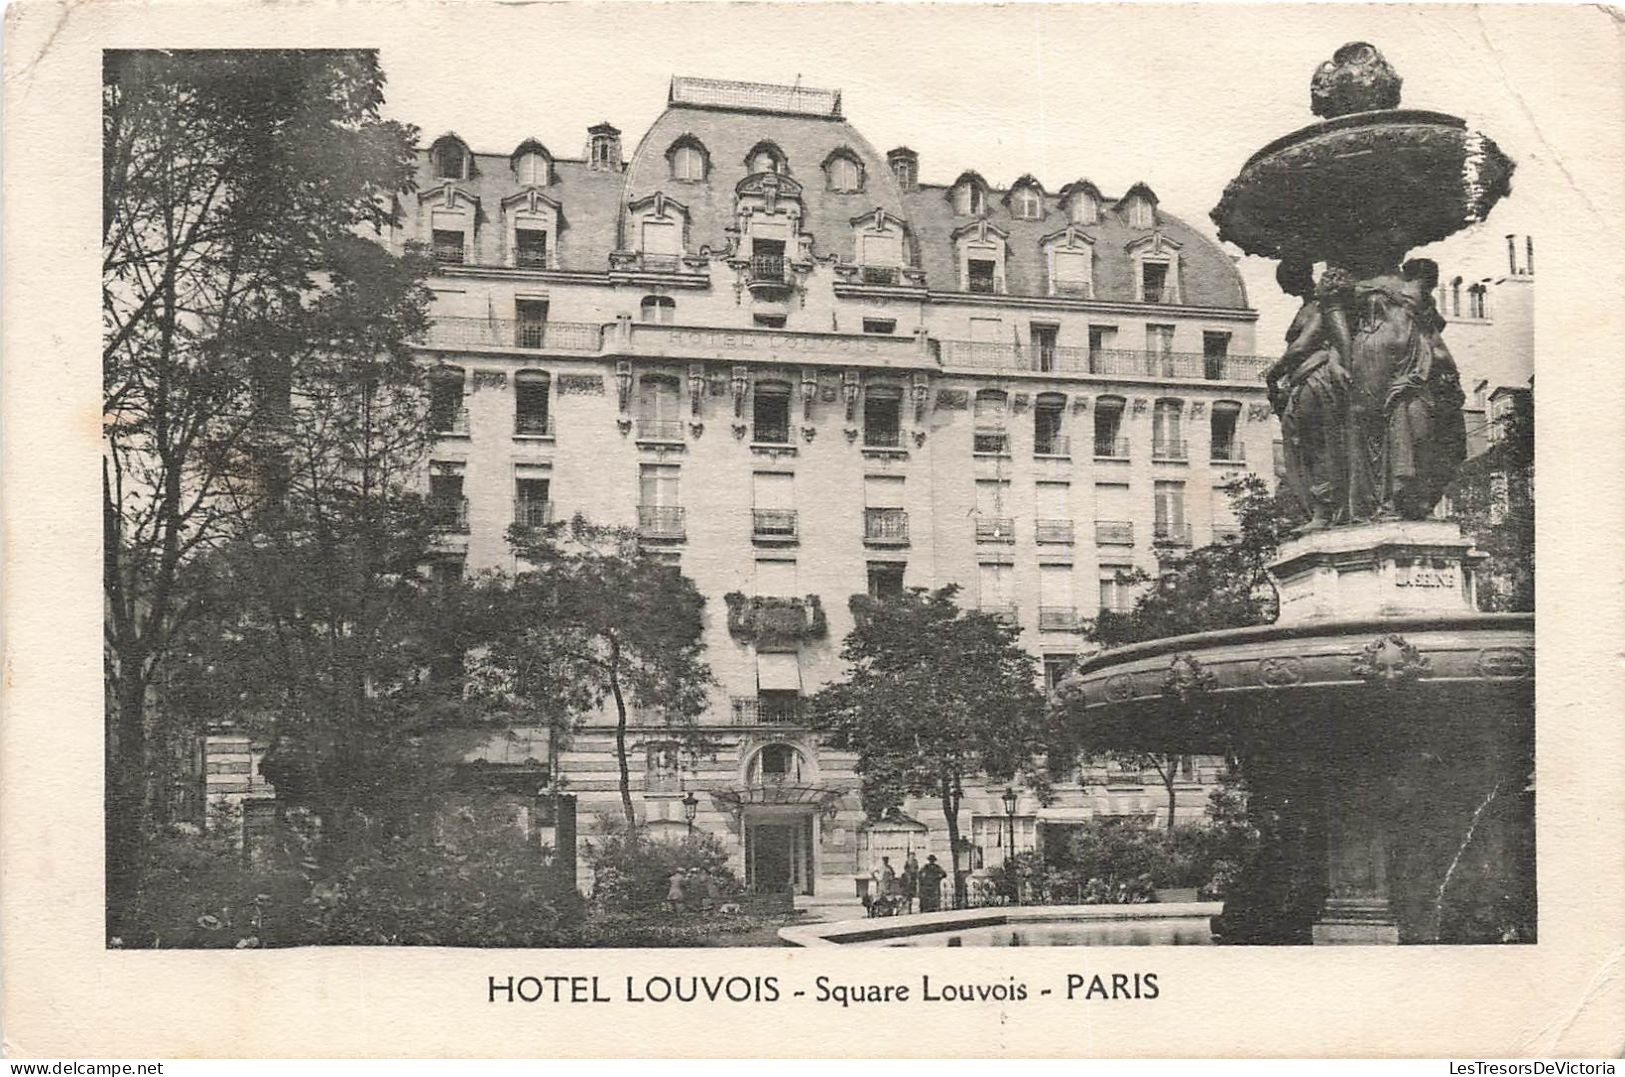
<point x="812" y="530"/>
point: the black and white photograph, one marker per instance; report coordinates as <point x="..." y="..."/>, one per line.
<point x="729" y="523"/>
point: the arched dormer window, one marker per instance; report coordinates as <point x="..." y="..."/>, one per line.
<point x="690" y="162"/>
<point x="1026" y="200"/>
<point x="1156" y="269"/>
<point x="1070" y="258"/>
<point x="451" y="158"/>
<point x="981" y="248"/>
<point x="532" y="164"/>
<point x="1139" y="207"/>
<point x="969" y="195"/>
<point x="881" y="246"/>
<point x="843" y="172"/>
<point x="1082" y="200"/>
<point x="765" y="157"/>
<point x="657" y="231"/>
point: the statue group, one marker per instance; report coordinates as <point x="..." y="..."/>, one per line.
<point x="1367" y="393"/>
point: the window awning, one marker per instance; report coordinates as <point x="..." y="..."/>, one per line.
<point x="778" y="673"/>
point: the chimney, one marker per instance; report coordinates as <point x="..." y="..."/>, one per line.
<point x="1529" y="256"/>
<point x="905" y="167"/>
<point x="604" y="147"/>
<point x="1512" y="254"/>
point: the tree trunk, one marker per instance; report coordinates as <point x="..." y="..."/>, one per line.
<point x="620" y="734"/>
<point x="950" y="811"/>
<point x="126" y="786"/>
<point x="1168" y="776"/>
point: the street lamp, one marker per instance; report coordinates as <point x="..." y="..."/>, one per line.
<point x="1009" y="799"/>
<point x="691" y="808"/>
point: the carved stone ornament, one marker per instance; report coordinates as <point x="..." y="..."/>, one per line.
<point x="696" y="429"/>
<point x="1120" y="687"/>
<point x="808" y="433"/>
<point x="1019" y="401"/>
<point x="1280" y="672"/>
<point x="1141" y="405"/>
<point x="919" y="438"/>
<point x="1355" y="79"/>
<point x="1505" y="664"/>
<point x="1258" y="413"/>
<point x="1186" y="677"/>
<point x="1198" y="408"/>
<point x="953" y="399"/>
<point x="851" y="433"/>
<point x="581" y="385"/>
<point x="1390" y="661"/>
<point x="1080" y="404"/>
<point x="489" y="379"/>
<point x="624" y="426"/>
<point x="739" y="431"/>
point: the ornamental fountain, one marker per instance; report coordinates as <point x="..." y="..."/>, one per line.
<point x="1383" y="726"/>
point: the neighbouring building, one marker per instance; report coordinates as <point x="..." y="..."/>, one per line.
<point x="802" y="372"/>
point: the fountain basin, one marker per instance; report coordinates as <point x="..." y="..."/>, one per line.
<point x="1175" y="924"/>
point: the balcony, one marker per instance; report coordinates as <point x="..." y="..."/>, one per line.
<point x="1232" y="452"/>
<point x="530" y="258"/>
<point x="1052" y="445"/>
<point x="1111" y="448"/>
<point x="661" y="523"/>
<point x="659" y="263"/>
<point x="1053" y="532"/>
<point x="529" y="424"/>
<point x="991" y="441"/>
<point x="1165" y="533"/>
<point x="879" y="275"/>
<point x="448" y="422"/>
<point x="529" y="513"/>
<point x="1174" y="452"/>
<point x="516" y="333"/>
<point x="1114" y="532"/>
<point x="774" y="525"/>
<point x="768" y="276"/>
<point x="447" y="254"/>
<point x="1002" y="612"/>
<point x="666" y="431"/>
<point x="449" y="514"/>
<point x="1176" y="366"/>
<point x="982" y="285"/>
<point x="885" y="527"/>
<point x="756" y="710"/>
<point x="880" y="437"/>
<point x="771" y="433"/>
<point x="995" y="529"/>
<point x="1057" y="619"/>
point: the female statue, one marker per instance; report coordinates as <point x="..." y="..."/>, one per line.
<point x="1314" y="402"/>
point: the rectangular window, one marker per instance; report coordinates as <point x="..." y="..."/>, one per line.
<point x="530" y="404"/>
<point x="881" y="250"/>
<point x="1109" y="441"/>
<point x="658" y="485"/>
<point x="530" y="323"/>
<point x="1114" y="596"/>
<point x="446" y="414"/>
<point x="1153" y="282"/>
<point x="1071" y="273"/>
<point x="1169" y="505"/>
<point x="883" y="491"/>
<point x="531" y="507"/>
<point x="1044" y="336"/>
<point x="1224" y="444"/>
<point x="1114" y="515"/>
<point x="662" y="238"/>
<point x="773" y="505"/>
<point x="885" y="579"/>
<point x="1055" y="606"/>
<point x="1053" y="512"/>
<point x="880" y="325"/>
<point x="1047" y="437"/>
<point x="448" y="246"/>
<point x="447" y="506"/>
<point x="882" y="417"/>
<point x="1215" y="350"/>
<point x="771" y="413"/>
<point x="1056" y="668"/>
<point x="996" y="587"/>
<point x="993" y="520"/>
<point x="1159" y="347"/>
<point x="980" y="275"/>
<point x="1102" y="342"/>
<point x="530" y="248"/>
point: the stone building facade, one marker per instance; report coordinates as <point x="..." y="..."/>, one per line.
<point x="802" y="372"/>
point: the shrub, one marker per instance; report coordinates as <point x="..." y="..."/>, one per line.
<point x="632" y="871"/>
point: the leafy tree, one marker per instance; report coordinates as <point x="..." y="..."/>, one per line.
<point x="235" y="185"/>
<point x="933" y="695"/>
<point x="622" y="628"/>
<point x="1493" y="499"/>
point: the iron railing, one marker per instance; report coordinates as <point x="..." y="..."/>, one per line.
<point x="449" y="514"/>
<point x="982" y="285"/>
<point x="1052" y="445"/>
<point x="446" y="421"/>
<point x="528" y="512"/>
<point x="1229" y="452"/>
<point x="756" y="710"/>
<point x="1167" y="533"/>
<point x="995" y="529"/>
<point x="1169" y="450"/>
<point x="1053" y="531"/>
<point x="661" y="522"/>
<point x="448" y="253"/>
<point x="532" y="424"/>
<point x="991" y="439"/>
<point x="1111" y="448"/>
<point x="517" y="333"/>
<point x="1190" y="366"/>
<point x="767" y="268"/>
<point x="771" y="433"/>
<point x="1057" y="618"/>
<point x="880" y="275"/>
<point x="881" y="437"/>
<point x="885" y="527"/>
<point x="1114" y="532"/>
<point x="660" y="430"/>
<point x="1006" y="612"/>
<point x="530" y="259"/>
<point x="776" y="525"/>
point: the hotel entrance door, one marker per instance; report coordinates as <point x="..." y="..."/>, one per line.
<point x="778" y="855"/>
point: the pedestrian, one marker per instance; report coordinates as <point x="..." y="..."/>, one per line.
<point x="931" y="876"/>
<point x="871" y="894"/>
<point x="911" y="881"/>
<point x="713" y="896"/>
<point x="888" y="879"/>
<point x="674" y="891"/>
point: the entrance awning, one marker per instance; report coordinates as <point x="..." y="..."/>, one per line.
<point x="778" y="673"/>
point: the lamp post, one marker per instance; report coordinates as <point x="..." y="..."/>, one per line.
<point x="1009" y="799"/>
<point x="691" y="808"/>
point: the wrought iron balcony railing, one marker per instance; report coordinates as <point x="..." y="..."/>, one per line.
<point x="991" y="439"/>
<point x="1052" y="445"/>
<point x="982" y="285"/>
<point x="881" y="437"/>
<point x="880" y="275"/>
<point x="660" y="430"/>
<point x="885" y="527"/>
<point x="1166" y="533"/>
<point x="532" y="424"/>
<point x="1184" y="366"/>
<point x="661" y="522"/>
<point x="449" y="514"/>
<point x="774" y="525"/>
<point x="771" y="433"/>
<point x="1170" y="450"/>
<point x="1231" y="452"/>
<point x="1114" y="532"/>
<point x="995" y="529"/>
<point x="1056" y="532"/>
<point x="1057" y="619"/>
<point x="767" y="269"/>
<point x="530" y="259"/>
<point x="448" y="421"/>
<point x="759" y="710"/>
<point x="531" y="513"/>
<point x="1111" y="448"/>
<point x="1006" y="612"/>
<point x="448" y="253"/>
<point x="516" y="333"/>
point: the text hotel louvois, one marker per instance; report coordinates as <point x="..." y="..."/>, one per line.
<point x="1073" y="986"/>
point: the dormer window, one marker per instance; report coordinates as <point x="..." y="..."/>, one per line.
<point x="982" y="251"/>
<point x="765" y="157"/>
<point x="450" y="158"/>
<point x="603" y="147"/>
<point x="844" y="172"/>
<point x="970" y="201"/>
<point x="531" y="169"/>
<point x="1026" y="204"/>
<point x="1155" y="258"/>
<point x="905" y="167"/>
<point x="1140" y="207"/>
<point x="1154" y="282"/>
<point x="689" y="161"/>
<point x="1070" y="254"/>
<point x="1084" y="207"/>
<point x="981" y="275"/>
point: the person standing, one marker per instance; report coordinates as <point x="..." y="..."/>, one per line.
<point x="674" y="891"/>
<point x="888" y="881"/>
<point x="931" y="876"/>
<point x="911" y="881"/>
